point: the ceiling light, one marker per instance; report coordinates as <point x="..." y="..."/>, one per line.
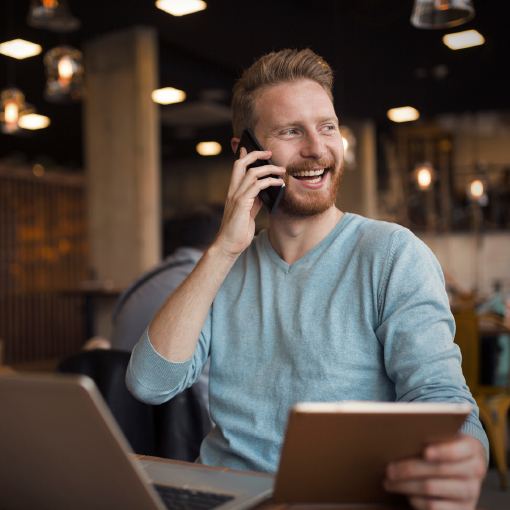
<point x="441" y="13"/>
<point x="12" y="108"/>
<point x="52" y="15"/>
<point x="65" y="72"/>
<point x="404" y="114"/>
<point x="168" y="95"/>
<point x="18" y="48"/>
<point x="208" y="148"/>
<point x="181" y="7"/>
<point x="33" y="121"/>
<point x="461" y="40"/>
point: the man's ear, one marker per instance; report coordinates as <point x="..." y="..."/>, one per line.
<point x="235" y="142"/>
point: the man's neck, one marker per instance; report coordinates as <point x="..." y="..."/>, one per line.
<point x="292" y="237"/>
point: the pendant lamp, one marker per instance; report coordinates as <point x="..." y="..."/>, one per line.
<point x="64" y="72"/>
<point x="52" y="15"/>
<point x="12" y="107"/>
<point x="441" y="13"/>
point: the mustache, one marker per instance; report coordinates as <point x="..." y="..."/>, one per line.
<point x="308" y="165"/>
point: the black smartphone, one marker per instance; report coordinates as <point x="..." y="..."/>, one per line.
<point x="270" y="196"/>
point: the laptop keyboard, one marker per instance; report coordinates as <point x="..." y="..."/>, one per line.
<point x="188" y="499"/>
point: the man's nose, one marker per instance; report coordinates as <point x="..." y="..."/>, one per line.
<point x="313" y="146"/>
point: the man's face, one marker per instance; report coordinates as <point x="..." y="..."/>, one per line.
<point x="297" y="122"/>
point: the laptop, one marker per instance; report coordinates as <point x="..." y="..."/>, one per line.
<point x="60" y="448"/>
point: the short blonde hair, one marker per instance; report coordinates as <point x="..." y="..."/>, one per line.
<point x="270" y="70"/>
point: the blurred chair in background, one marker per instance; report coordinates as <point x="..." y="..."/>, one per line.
<point x="493" y="401"/>
<point x="173" y="430"/>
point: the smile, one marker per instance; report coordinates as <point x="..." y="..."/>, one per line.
<point x="310" y="176"/>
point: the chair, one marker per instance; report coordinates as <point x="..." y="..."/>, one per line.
<point x="173" y="430"/>
<point x="493" y="401"/>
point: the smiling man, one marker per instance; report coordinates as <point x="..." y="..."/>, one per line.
<point x="323" y="306"/>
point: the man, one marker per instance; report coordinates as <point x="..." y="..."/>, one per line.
<point x="192" y="233"/>
<point x="324" y="306"/>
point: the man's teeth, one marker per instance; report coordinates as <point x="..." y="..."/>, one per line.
<point x="308" y="173"/>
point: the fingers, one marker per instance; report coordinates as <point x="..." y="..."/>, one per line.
<point x="417" y="468"/>
<point x="252" y="182"/>
<point x="460" y="449"/>
<point x="419" y="503"/>
<point x="242" y="163"/>
<point x="449" y="478"/>
<point x="445" y="488"/>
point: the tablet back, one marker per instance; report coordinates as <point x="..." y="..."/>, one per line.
<point x="338" y="452"/>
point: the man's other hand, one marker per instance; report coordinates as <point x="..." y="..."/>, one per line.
<point x="448" y="477"/>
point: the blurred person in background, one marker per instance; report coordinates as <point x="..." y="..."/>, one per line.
<point x="185" y="239"/>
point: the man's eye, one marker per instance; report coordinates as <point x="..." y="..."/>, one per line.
<point x="289" y="132"/>
<point x="329" y="128"/>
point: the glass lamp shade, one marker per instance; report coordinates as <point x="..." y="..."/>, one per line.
<point x="64" y="72"/>
<point x="12" y="107"/>
<point x="52" y="15"/>
<point x="441" y="13"/>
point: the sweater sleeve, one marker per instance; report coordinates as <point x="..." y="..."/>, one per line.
<point x="153" y="379"/>
<point x="416" y="328"/>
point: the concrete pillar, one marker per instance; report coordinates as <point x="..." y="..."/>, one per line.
<point x="358" y="189"/>
<point x="122" y="158"/>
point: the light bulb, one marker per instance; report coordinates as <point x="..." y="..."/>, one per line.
<point x="476" y="189"/>
<point x="424" y="178"/>
<point x="65" y="68"/>
<point x="11" y="113"/>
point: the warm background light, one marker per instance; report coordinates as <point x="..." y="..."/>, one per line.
<point x="65" y="69"/>
<point x="18" y="48"/>
<point x="11" y="113"/>
<point x="404" y="114"/>
<point x="476" y="189"/>
<point x="33" y="121"/>
<point x="424" y="177"/>
<point x="38" y="170"/>
<point x="346" y="143"/>
<point x="461" y="40"/>
<point x="168" y="95"/>
<point x="181" y="7"/>
<point x="208" y="148"/>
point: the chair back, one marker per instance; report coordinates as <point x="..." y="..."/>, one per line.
<point x="173" y="430"/>
<point x="495" y="325"/>
<point x="467" y="337"/>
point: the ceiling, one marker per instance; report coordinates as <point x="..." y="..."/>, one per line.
<point x="380" y="61"/>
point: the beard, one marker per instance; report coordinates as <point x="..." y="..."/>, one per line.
<point x="311" y="202"/>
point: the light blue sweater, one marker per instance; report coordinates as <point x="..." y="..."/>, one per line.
<point x="363" y="316"/>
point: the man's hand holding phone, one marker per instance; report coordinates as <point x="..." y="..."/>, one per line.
<point x="243" y="203"/>
<point x="270" y="196"/>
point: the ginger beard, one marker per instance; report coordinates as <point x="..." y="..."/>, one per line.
<point x="311" y="202"/>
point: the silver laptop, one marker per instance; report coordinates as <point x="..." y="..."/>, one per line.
<point x="60" y="448"/>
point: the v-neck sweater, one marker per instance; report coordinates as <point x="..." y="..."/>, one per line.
<point x="362" y="316"/>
